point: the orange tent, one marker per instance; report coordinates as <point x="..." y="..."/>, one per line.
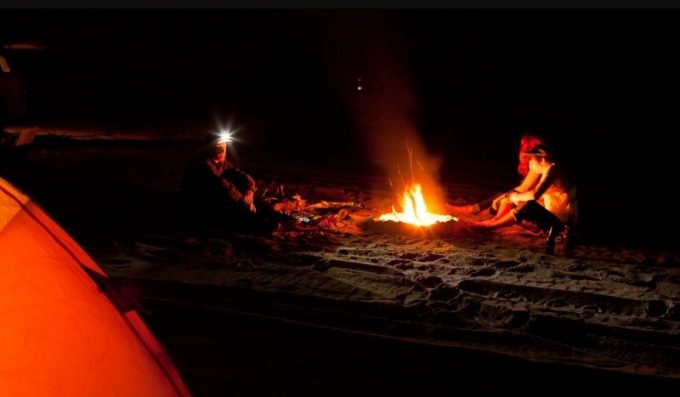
<point x="60" y="335"/>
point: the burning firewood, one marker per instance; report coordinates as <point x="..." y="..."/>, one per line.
<point x="414" y="210"/>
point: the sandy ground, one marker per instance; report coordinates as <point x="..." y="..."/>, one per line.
<point x="608" y="308"/>
<point x="495" y="292"/>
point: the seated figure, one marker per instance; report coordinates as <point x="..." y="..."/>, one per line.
<point x="215" y="193"/>
<point x="549" y="203"/>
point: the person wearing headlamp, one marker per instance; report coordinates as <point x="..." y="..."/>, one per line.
<point x="217" y="193"/>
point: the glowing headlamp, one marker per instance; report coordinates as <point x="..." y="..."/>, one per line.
<point x="225" y="137"/>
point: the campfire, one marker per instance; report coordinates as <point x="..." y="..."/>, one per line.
<point x="414" y="210"/>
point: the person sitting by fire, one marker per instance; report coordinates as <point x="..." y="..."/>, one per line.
<point x="549" y="203"/>
<point x="214" y="192"/>
<point x="499" y="205"/>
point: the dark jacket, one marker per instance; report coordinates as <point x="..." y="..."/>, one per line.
<point x="209" y="186"/>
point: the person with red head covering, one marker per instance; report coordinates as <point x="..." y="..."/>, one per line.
<point x="527" y="143"/>
<point x="500" y="205"/>
<point x="548" y="204"/>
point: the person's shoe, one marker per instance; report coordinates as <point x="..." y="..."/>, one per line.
<point x="568" y="242"/>
<point x="564" y="242"/>
<point x="550" y="247"/>
<point x="553" y="233"/>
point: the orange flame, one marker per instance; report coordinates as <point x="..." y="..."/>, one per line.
<point x="414" y="210"/>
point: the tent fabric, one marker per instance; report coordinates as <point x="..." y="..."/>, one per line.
<point x="60" y="335"/>
<point x="11" y="202"/>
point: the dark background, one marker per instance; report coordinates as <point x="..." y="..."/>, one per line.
<point x="601" y="86"/>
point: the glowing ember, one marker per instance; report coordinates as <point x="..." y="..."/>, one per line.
<point x="414" y="210"/>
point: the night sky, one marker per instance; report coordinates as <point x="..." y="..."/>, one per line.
<point x="601" y="86"/>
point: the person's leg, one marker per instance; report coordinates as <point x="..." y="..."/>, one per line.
<point x="544" y="219"/>
<point x="268" y="212"/>
<point x="463" y="209"/>
<point x="498" y="222"/>
<point x="487" y="203"/>
<point x="264" y="221"/>
<point x="245" y="221"/>
<point x="504" y="208"/>
<point x="473" y="209"/>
